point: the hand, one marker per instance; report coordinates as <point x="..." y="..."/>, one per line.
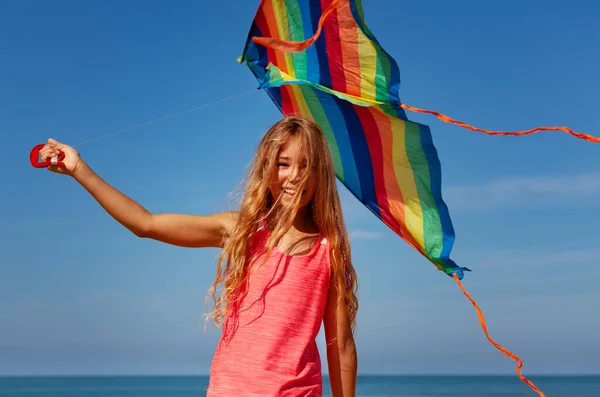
<point x="72" y="160"/>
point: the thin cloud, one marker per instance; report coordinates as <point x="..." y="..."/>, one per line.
<point x="364" y="235"/>
<point x="519" y="190"/>
<point x="523" y="258"/>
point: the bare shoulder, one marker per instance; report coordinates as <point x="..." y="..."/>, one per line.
<point x="227" y="220"/>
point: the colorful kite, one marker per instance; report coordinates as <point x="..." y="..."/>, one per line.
<point x="317" y="59"/>
<point x="349" y="85"/>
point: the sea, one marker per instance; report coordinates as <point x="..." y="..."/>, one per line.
<point x="380" y="386"/>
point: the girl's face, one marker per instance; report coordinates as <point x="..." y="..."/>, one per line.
<point x="289" y="170"/>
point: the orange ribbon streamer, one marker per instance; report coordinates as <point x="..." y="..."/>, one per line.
<point x="499" y="347"/>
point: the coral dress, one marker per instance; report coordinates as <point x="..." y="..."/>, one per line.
<point x="269" y="347"/>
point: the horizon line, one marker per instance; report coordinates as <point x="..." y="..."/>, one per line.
<point x="383" y="374"/>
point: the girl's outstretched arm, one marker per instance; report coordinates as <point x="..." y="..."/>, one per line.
<point x="177" y="229"/>
<point x="341" y="349"/>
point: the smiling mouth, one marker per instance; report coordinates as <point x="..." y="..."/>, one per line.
<point x="291" y="192"/>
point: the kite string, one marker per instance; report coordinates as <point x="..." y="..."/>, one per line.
<point x="447" y="119"/>
<point x="499" y="347"/>
<point x="164" y="118"/>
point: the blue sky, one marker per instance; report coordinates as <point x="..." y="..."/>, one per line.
<point x="79" y="294"/>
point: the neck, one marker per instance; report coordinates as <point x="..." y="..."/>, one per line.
<point x="304" y="222"/>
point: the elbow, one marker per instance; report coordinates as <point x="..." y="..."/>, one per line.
<point x="348" y="362"/>
<point x="347" y="352"/>
<point x="347" y="344"/>
<point x="141" y="233"/>
<point x="144" y="228"/>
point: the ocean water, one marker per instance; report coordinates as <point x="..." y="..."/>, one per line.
<point x="380" y="386"/>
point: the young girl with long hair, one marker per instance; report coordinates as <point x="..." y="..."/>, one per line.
<point x="285" y="266"/>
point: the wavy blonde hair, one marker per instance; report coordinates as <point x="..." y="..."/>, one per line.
<point x="258" y="206"/>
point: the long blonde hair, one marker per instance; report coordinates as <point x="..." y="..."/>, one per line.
<point x="258" y="206"/>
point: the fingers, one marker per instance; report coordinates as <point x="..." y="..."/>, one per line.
<point x="49" y="151"/>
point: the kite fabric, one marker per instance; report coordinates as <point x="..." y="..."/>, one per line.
<point x="349" y="85"/>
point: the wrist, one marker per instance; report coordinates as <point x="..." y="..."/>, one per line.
<point x="81" y="171"/>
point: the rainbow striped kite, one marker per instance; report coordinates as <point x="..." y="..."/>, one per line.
<point x="348" y="84"/>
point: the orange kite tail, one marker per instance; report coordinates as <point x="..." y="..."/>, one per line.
<point x="447" y="119"/>
<point x="499" y="347"/>
<point x="297" y="46"/>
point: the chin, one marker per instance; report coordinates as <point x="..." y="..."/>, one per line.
<point x="288" y="200"/>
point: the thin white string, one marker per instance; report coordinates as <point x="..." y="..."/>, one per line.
<point x="164" y="118"/>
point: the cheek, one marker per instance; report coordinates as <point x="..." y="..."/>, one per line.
<point x="311" y="187"/>
<point x="312" y="182"/>
<point x="280" y="176"/>
<point x="276" y="177"/>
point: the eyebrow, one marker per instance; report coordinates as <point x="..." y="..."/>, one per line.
<point x="282" y="158"/>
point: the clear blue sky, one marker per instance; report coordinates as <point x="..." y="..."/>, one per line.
<point x="79" y="294"/>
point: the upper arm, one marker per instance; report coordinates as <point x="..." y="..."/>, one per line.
<point x="338" y="330"/>
<point x="191" y="230"/>
<point x="341" y="350"/>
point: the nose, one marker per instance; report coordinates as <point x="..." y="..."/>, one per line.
<point x="295" y="174"/>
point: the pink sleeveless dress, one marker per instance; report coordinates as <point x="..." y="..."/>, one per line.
<point x="268" y="348"/>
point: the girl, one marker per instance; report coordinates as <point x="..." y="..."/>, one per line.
<point x="284" y="267"/>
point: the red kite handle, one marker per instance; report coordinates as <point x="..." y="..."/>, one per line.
<point x="34" y="157"/>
